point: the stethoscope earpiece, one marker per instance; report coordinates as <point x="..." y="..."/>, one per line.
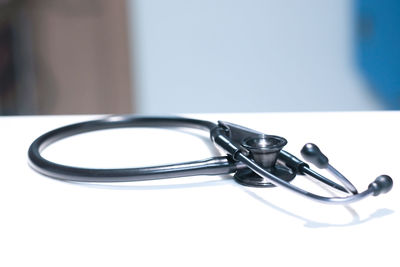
<point x="313" y="154"/>
<point x="381" y="185"/>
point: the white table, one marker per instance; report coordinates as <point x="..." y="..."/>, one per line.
<point x="197" y="221"/>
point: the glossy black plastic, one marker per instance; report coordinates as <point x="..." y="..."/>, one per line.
<point x="311" y="153"/>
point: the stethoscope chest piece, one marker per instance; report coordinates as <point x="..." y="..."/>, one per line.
<point x="264" y="149"/>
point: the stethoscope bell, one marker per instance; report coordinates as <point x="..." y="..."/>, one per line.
<point x="264" y="150"/>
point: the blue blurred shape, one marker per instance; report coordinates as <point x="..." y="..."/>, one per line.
<point x="378" y="47"/>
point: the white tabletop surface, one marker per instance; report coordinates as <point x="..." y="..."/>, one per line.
<point x="197" y="221"/>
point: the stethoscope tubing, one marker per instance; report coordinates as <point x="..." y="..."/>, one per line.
<point x="211" y="166"/>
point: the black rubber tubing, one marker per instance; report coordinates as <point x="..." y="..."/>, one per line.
<point x="216" y="165"/>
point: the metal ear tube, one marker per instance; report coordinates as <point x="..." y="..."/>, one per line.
<point x="255" y="159"/>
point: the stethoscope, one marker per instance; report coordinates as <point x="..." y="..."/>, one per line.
<point x="255" y="159"/>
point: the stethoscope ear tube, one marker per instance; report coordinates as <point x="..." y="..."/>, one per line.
<point x="256" y="159"/>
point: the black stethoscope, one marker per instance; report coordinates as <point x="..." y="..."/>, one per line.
<point x="256" y="159"/>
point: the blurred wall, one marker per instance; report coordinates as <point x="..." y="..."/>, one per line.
<point x="64" y="57"/>
<point x="378" y="42"/>
<point x="245" y="56"/>
<point x="81" y="56"/>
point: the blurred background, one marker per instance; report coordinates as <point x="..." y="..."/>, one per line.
<point x="183" y="56"/>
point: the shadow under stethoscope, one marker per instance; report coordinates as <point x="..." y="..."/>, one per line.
<point x="356" y="220"/>
<point x="355" y="217"/>
<point x="226" y="181"/>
